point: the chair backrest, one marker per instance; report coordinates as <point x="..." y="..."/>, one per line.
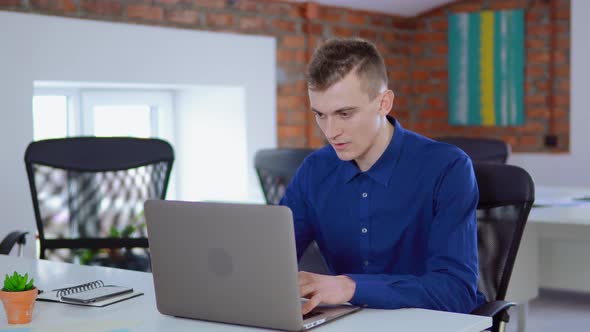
<point x="88" y="194"/>
<point x="481" y="149"/>
<point x="506" y="195"/>
<point x="276" y="168"/>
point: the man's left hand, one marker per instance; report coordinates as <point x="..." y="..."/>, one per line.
<point x="319" y="288"/>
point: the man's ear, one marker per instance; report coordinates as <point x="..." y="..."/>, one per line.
<point x="386" y="102"/>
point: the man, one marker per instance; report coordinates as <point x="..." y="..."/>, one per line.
<point x="393" y="212"/>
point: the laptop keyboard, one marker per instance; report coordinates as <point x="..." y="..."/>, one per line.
<point x="311" y="314"/>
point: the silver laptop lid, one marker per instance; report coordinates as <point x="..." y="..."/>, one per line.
<point x="231" y="263"/>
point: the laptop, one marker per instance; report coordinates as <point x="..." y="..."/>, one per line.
<point x="231" y="263"/>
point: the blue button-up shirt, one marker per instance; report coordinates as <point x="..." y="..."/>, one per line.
<point x="405" y="230"/>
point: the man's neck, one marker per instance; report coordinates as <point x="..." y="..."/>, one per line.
<point x="380" y="145"/>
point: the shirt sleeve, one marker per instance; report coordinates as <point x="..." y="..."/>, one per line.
<point x="295" y="198"/>
<point x="450" y="280"/>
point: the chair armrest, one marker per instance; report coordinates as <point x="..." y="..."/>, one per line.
<point x="491" y="309"/>
<point x="11" y="239"/>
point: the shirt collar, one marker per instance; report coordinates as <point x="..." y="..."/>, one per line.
<point x="382" y="170"/>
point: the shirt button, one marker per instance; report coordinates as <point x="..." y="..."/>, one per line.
<point x="366" y="263"/>
<point x="365" y="195"/>
<point x="364" y="230"/>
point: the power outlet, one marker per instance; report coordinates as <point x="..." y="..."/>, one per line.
<point x="550" y="141"/>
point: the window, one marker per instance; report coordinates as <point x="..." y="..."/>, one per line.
<point x="50" y="117"/>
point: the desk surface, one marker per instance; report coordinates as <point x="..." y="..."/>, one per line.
<point x="140" y="314"/>
<point x="561" y="207"/>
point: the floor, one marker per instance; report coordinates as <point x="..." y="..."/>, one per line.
<point x="556" y="311"/>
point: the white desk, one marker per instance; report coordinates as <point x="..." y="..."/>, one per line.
<point x="563" y="233"/>
<point x="140" y="314"/>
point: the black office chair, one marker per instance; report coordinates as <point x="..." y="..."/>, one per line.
<point x="88" y="195"/>
<point x="481" y="149"/>
<point x="506" y="195"/>
<point x="275" y="169"/>
<point x="12" y="239"/>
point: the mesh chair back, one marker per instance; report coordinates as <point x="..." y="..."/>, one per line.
<point x="88" y="194"/>
<point x="276" y="168"/>
<point x="506" y="197"/>
<point x="481" y="149"/>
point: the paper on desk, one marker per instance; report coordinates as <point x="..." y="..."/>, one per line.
<point x="80" y="325"/>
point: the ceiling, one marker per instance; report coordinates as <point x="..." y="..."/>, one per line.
<point x="395" y="7"/>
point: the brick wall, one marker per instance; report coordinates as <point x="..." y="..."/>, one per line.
<point x="547" y="75"/>
<point x="414" y="50"/>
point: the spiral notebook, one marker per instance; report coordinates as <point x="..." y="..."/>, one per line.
<point x="93" y="294"/>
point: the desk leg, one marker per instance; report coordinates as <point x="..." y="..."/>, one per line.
<point x="522" y="310"/>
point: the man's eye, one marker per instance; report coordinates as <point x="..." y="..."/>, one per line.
<point x="319" y="115"/>
<point x="344" y="115"/>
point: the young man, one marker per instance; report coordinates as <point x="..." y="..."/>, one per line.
<point x="393" y="212"/>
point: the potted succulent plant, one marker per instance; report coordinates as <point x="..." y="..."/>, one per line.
<point x="18" y="296"/>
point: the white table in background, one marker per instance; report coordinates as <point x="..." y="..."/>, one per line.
<point x="555" y="248"/>
<point x="140" y="313"/>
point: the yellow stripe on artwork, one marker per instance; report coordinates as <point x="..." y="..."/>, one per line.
<point x="487" y="68"/>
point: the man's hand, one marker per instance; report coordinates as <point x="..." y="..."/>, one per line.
<point x="320" y="288"/>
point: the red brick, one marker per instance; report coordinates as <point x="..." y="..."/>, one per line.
<point x="284" y="26"/>
<point x="367" y="34"/>
<point x="466" y="7"/>
<point x="68" y="6"/>
<point x="420" y="75"/>
<point x="217" y="4"/>
<point x="563" y="13"/>
<point x="290" y="102"/>
<point x="168" y="2"/>
<point x="560" y="56"/>
<point x="102" y="7"/>
<point x="439" y="24"/>
<point x="562" y="71"/>
<point x="440" y="49"/>
<point x="536" y="99"/>
<point x="563" y="85"/>
<point x="434" y="114"/>
<point x="281" y="9"/>
<point x="331" y="15"/>
<point x="248" y="5"/>
<point x="530" y="141"/>
<point x="436" y="102"/>
<point x="10" y="3"/>
<point x="539" y="30"/>
<point x="313" y="28"/>
<point x="534" y="128"/>
<point x="540" y="112"/>
<point x="561" y="100"/>
<point x="390" y="37"/>
<point x="398" y="75"/>
<point x="293" y="88"/>
<point x="533" y="43"/>
<point x="41" y="4"/>
<point x="340" y="31"/>
<point x="356" y="18"/>
<point x="291" y="131"/>
<point x="252" y="23"/>
<point x="380" y="20"/>
<point x="286" y="56"/>
<point x="538" y="57"/>
<point x="535" y="70"/>
<point x="293" y="41"/>
<point x="542" y="86"/>
<point x="184" y="16"/>
<point x="563" y="42"/>
<point x="145" y="12"/>
<point x="501" y="5"/>
<point x="219" y="20"/>
<point x="431" y="62"/>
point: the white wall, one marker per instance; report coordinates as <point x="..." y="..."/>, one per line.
<point x="570" y="169"/>
<point x="34" y="47"/>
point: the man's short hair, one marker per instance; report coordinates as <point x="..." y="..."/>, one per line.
<point x="336" y="58"/>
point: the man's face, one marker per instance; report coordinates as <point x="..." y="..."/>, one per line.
<point x="349" y="119"/>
